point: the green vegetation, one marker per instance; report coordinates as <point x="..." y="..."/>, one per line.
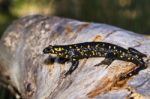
<point x="132" y="15"/>
<point x="128" y="14"/>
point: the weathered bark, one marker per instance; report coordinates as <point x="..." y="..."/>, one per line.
<point x="24" y="71"/>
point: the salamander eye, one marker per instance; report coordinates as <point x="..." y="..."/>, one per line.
<point x="47" y="50"/>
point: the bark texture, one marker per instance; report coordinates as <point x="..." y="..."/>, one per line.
<point x="23" y="67"/>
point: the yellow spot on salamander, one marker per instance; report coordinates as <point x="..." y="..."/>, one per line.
<point x="52" y="51"/>
<point x="66" y="56"/>
<point x="116" y="50"/>
<point x="121" y="56"/>
<point x="54" y="55"/>
<point x="78" y="49"/>
<point x="132" y="58"/>
<point x="59" y="54"/>
<point x="109" y="47"/>
<point x="123" y="53"/>
<point x="73" y="59"/>
<point x="59" y="49"/>
<point x="136" y="56"/>
<point x="97" y="45"/>
<point x="93" y="52"/>
<point x="114" y="47"/>
<point x="85" y="54"/>
<point x="82" y="53"/>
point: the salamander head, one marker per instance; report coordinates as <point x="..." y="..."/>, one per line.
<point x="48" y="50"/>
<point x="54" y="50"/>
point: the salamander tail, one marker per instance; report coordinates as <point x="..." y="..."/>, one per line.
<point x="136" y="52"/>
<point x="140" y="66"/>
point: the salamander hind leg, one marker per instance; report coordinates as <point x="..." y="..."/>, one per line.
<point x="110" y="57"/>
<point x="106" y="61"/>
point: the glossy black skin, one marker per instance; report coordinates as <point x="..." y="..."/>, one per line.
<point x="74" y="52"/>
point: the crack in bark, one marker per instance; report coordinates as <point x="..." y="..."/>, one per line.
<point x="112" y="32"/>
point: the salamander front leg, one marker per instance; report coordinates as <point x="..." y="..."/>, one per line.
<point x="72" y="68"/>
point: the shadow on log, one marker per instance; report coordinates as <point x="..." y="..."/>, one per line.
<point x="24" y="72"/>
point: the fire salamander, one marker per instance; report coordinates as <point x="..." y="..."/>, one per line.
<point x="74" y="52"/>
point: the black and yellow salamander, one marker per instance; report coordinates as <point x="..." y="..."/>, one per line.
<point x="74" y="52"/>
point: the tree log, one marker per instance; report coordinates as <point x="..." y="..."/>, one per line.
<point x="25" y="71"/>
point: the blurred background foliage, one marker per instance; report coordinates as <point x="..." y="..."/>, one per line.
<point x="132" y="15"/>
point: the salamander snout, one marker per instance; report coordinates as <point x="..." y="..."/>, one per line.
<point x="48" y="50"/>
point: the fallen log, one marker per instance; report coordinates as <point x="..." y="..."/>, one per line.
<point x="24" y="69"/>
